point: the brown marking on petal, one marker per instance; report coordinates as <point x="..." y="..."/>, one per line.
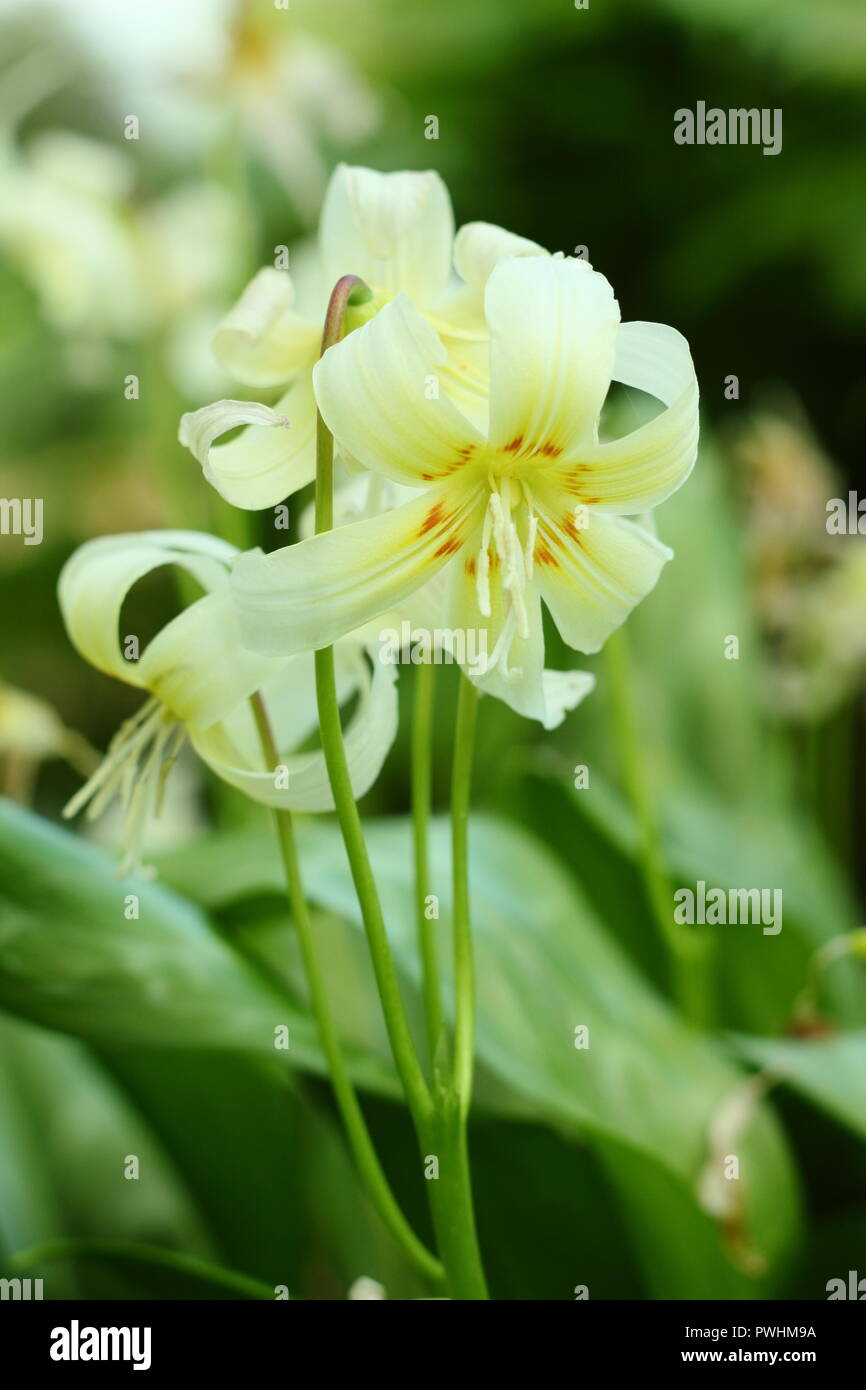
<point x="515" y="445"/>
<point x="447" y="547"/>
<point x="433" y="518"/>
<point x="493" y="559"/>
<point x="548" y="450"/>
<point x="543" y="555"/>
<point x="467" y="450"/>
<point x="590" y="501"/>
<point x="471" y="566"/>
<point x="427" y="477"/>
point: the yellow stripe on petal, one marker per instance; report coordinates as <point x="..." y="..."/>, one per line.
<point x="553" y="326"/>
<point x="306" y="596"/>
<point x="381" y="395"/>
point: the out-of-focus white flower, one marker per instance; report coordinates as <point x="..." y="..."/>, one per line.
<point x="367" y="1288"/>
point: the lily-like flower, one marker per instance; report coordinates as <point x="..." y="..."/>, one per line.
<point x="531" y="508"/>
<point x="395" y="231"/>
<point x="199" y="679"/>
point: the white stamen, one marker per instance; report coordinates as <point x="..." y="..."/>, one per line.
<point x="134" y="770"/>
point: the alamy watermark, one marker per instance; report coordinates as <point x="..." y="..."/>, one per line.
<point x="736" y="126"/>
<point x="418" y="646"/>
<point x="22" y="516"/>
<point x="702" y="906"/>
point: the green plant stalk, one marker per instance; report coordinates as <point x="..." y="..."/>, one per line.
<point x="688" y="954"/>
<point x="422" y="779"/>
<point x="360" y="1142"/>
<point x="464" y="968"/>
<point x="435" y="1124"/>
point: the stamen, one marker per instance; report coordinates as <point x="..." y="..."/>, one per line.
<point x="134" y="770"/>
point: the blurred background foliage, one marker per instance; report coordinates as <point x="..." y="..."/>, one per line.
<point x="153" y="1038"/>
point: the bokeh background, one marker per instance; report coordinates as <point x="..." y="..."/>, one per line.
<point x="118" y="257"/>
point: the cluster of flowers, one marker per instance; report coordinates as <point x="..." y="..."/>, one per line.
<point x="464" y="398"/>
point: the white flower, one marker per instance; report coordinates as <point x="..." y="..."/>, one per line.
<point x="395" y="231"/>
<point x="530" y="508"/>
<point x="199" y="679"/>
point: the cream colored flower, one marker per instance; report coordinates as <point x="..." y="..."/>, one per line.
<point x="395" y="231"/>
<point x="530" y="508"/>
<point x="199" y="679"/>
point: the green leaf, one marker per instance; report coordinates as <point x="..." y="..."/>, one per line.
<point x="70" y="958"/>
<point x="830" y="1072"/>
<point x="544" y="967"/>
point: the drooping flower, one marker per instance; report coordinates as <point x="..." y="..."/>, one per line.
<point x="395" y="231"/>
<point x="199" y="679"/>
<point x="531" y="508"/>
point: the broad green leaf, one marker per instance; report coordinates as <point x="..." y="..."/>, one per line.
<point x="72" y="959"/>
<point x="544" y="968"/>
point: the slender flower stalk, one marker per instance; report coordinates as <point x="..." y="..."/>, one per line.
<point x="688" y="954"/>
<point x="439" y="1117"/>
<point x="396" y="1022"/>
<point x="360" y="1142"/>
<point x="464" y="970"/>
<point x="422" y="733"/>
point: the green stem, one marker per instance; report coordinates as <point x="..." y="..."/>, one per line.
<point x="361" y="1144"/>
<point x="176" y="1260"/>
<point x="331" y="733"/>
<point x="451" y="1203"/>
<point x="464" y="970"/>
<point x="422" y="779"/>
<point x="440" y="1124"/>
<point x="451" y="1194"/>
<point x="687" y="952"/>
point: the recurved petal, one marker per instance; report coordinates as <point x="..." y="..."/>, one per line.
<point x="96" y="579"/>
<point x="394" y="230"/>
<point x="300" y="783"/>
<point x="262" y="340"/>
<point x="380" y="394"/>
<point x="592" y="577"/>
<point x="271" y="459"/>
<point x="308" y="595"/>
<point x="637" y="472"/>
<point x="553" y="326"/>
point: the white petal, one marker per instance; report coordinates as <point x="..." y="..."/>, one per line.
<point x="564" y="691"/>
<point x="96" y="579"/>
<point x="592" y="578"/>
<point x="270" y="460"/>
<point x="198" y="668"/>
<point x="307" y="595"/>
<point x="195" y="665"/>
<point x="368" y="738"/>
<point x="639" y="471"/>
<point x="480" y="246"/>
<point x="262" y="340"/>
<point x="394" y="230"/>
<point x="379" y="394"/>
<point x="553" y="325"/>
